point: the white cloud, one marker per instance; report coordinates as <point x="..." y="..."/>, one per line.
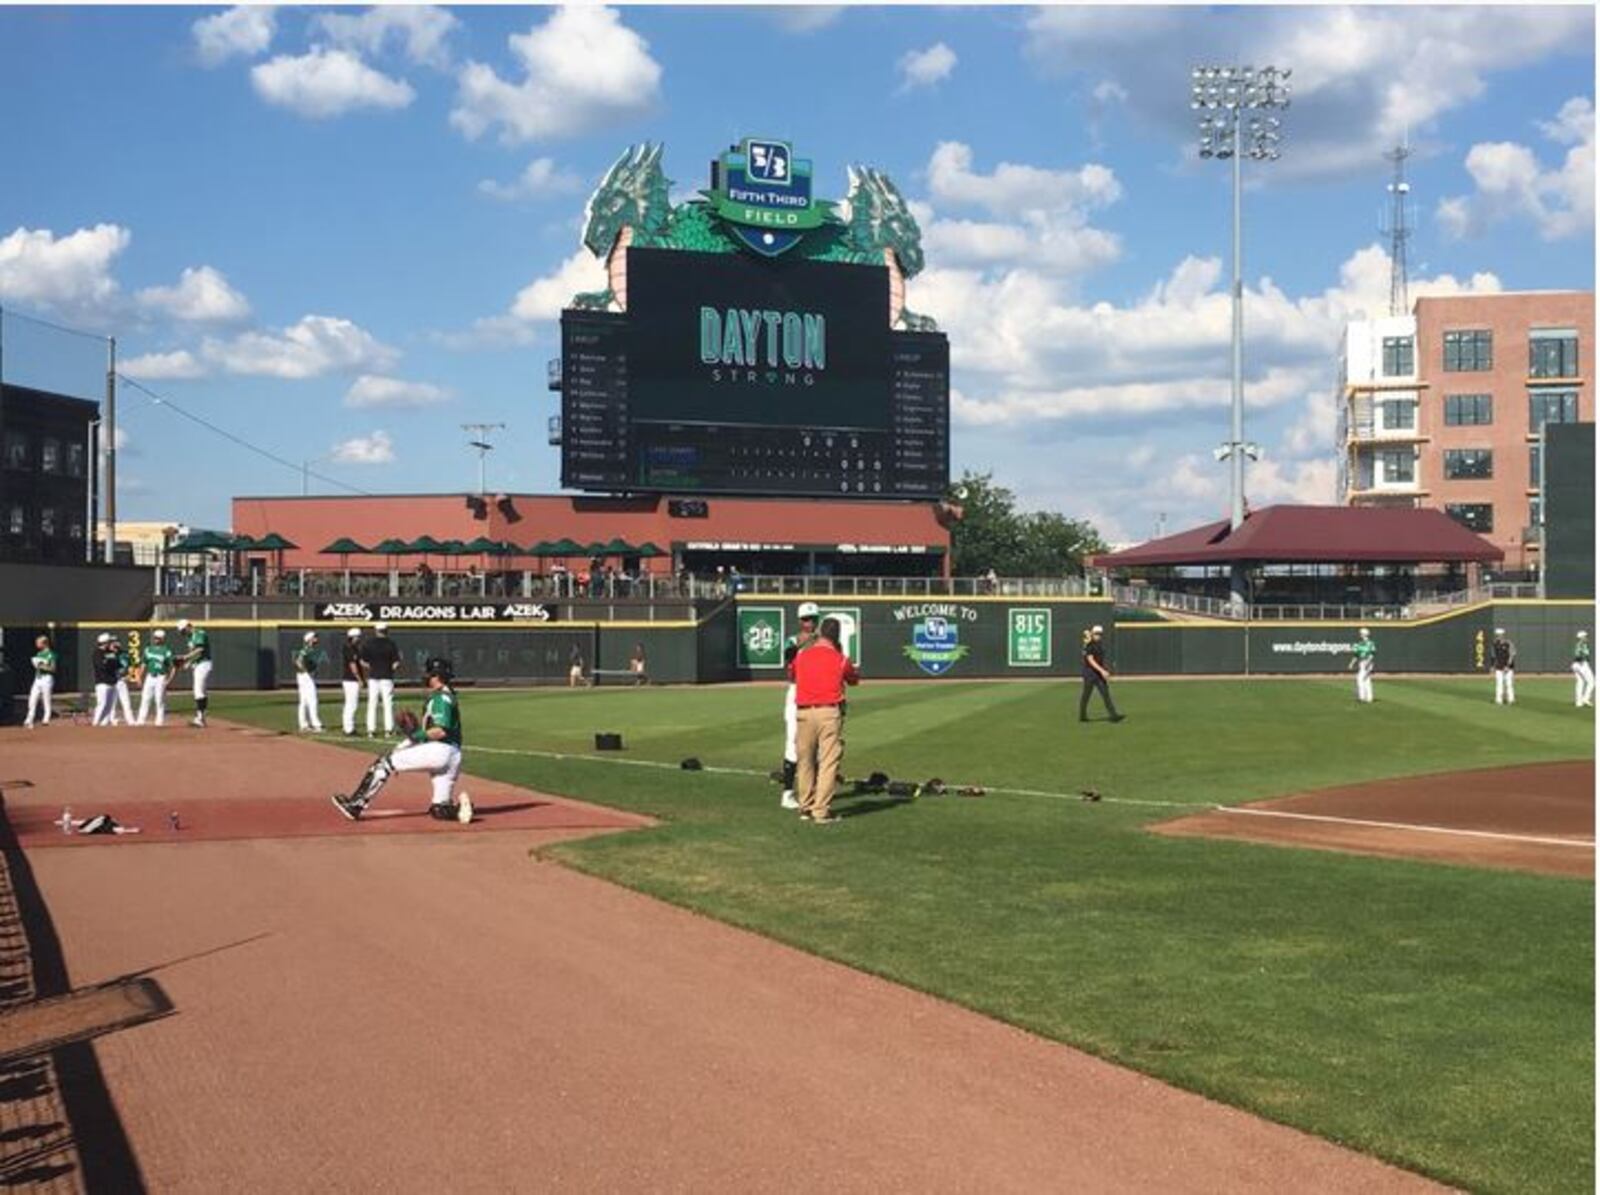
<point x="583" y="69"/>
<point x="804" y="18"/>
<point x="1509" y="182"/>
<point x="420" y="29"/>
<point x="537" y="303"/>
<point x="376" y="449"/>
<point x="201" y="296"/>
<point x="159" y="366"/>
<point x="1364" y="77"/>
<point x="541" y="178"/>
<point x="241" y="32"/>
<point x="924" y="68"/>
<point x="371" y="390"/>
<point x="314" y="346"/>
<point x="1014" y="189"/>
<point x="325" y="83"/>
<point x="70" y="273"/>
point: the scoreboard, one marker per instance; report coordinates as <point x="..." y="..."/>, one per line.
<point x="734" y="374"/>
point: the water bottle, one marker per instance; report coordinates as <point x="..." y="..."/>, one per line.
<point x="172" y="820"/>
<point x="66" y="820"/>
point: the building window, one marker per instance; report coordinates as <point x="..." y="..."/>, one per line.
<point x="74" y="460"/>
<point x="16" y="450"/>
<point x="50" y="456"/>
<point x="1466" y="352"/>
<point x="1398" y="466"/>
<point x="1553" y="353"/>
<point x="1535" y="465"/>
<point x="1468" y="410"/>
<point x="47" y="521"/>
<point x="1398" y="414"/>
<point x="16" y="519"/>
<point x="1551" y="406"/>
<point x="1475" y="516"/>
<point x="1536" y="512"/>
<point x="1468" y="464"/>
<point x="1399" y="356"/>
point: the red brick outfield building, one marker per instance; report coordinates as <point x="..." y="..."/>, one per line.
<point x="772" y="536"/>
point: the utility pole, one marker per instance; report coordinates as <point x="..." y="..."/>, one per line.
<point x="480" y="441"/>
<point x="111" y="450"/>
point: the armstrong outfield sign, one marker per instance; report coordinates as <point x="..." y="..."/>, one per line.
<point x="368" y="612"/>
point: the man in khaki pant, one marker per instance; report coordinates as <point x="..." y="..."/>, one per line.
<point x="821" y="672"/>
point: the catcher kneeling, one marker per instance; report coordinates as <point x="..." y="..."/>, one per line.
<point x="432" y="745"/>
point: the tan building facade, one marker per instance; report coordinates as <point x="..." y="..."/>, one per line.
<point x="1445" y="407"/>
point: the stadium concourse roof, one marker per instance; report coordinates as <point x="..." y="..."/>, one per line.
<point x="1316" y="535"/>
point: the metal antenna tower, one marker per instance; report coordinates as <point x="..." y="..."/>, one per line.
<point x="480" y="441"/>
<point x="1398" y="230"/>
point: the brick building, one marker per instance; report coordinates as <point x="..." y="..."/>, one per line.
<point x="46" y="460"/>
<point x="1445" y="407"/>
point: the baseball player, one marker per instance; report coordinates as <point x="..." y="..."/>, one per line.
<point x="44" y="681"/>
<point x="432" y="746"/>
<point x="124" y="696"/>
<point x="1582" y="669"/>
<point x="809" y="613"/>
<point x="352" y="675"/>
<point x="382" y="660"/>
<point x="1362" y="660"/>
<point x="106" y="670"/>
<point x="198" y="658"/>
<point x="306" y="662"/>
<point x="1503" y="660"/>
<point x="159" y="662"/>
<point x="1096" y="676"/>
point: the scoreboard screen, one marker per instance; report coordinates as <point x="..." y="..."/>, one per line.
<point x="741" y="375"/>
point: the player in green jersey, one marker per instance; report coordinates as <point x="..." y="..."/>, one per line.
<point x="1364" y="656"/>
<point x="44" y="681"/>
<point x="434" y="746"/>
<point x="198" y="659"/>
<point x="159" y="663"/>
<point x="306" y="662"/>
<point x="1583" y="670"/>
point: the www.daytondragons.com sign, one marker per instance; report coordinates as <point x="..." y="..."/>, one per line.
<point x="368" y="612"/>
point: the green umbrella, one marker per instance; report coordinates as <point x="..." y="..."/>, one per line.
<point x="343" y="546"/>
<point x="649" y="550"/>
<point x="202" y="541"/>
<point x="595" y="549"/>
<point x="484" y="546"/>
<point x="565" y="547"/>
<point x="620" y="547"/>
<point x="392" y="547"/>
<point x="424" y="544"/>
<point x="453" y="547"/>
<point x="272" y="542"/>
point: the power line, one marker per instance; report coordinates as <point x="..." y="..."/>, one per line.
<point x="298" y="467"/>
<point x="12" y="313"/>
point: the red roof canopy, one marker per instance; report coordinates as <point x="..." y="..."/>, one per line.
<point x="1316" y="535"/>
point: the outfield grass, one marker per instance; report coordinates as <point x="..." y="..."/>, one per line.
<point x="1437" y="1016"/>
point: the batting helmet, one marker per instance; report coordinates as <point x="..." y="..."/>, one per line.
<point x="439" y="666"/>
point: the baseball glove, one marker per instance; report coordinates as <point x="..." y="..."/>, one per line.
<point x="406" y="722"/>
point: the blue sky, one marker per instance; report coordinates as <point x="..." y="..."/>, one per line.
<point x="341" y="233"/>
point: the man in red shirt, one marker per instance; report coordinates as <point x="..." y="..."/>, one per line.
<point x="820" y="673"/>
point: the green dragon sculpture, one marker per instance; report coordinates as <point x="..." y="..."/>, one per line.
<point x="635" y="194"/>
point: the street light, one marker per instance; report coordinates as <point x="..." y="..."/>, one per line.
<point x="1235" y="122"/>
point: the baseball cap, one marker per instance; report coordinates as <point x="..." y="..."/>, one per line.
<point x="1583" y="634"/>
<point x="104" y="637"/>
<point x="810" y="610"/>
<point x="1097" y="630"/>
<point x="353" y="632"/>
<point x="158" y="633"/>
<point x="183" y="624"/>
<point x="1499" y="630"/>
<point x="380" y="626"/>
<point x="310" y="636"/>
<point x="1364" y="632"/>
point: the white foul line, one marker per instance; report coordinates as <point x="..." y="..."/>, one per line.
<point x="1587" y="844"/>
<point x="671" y="767"/>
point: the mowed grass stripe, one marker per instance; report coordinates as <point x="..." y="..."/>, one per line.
<point x="1437" y="1016"/>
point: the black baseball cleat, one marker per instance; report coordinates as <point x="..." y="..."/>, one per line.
<point x="442" y="811"/>
<point x="1119" y="717"/>
<point x="346" y="806"/>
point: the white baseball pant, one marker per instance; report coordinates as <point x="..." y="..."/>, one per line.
<point x="44" y="685"/>
<point x="153" y="693"/>
<point x="202" y="678"/>
<point x="124" y="699"/>
<point x="791" y="723"/>
<point x="1581" y="670"/>
<point x="380" y="690"/>
<point x="441" y="759"/>
<point x="1364" y="680"/>
<point x="1505" y="686"/>
<point x="352" y="703"/>
<point x="310" y="717"/>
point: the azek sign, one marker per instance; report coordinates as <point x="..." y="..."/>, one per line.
<point x="763" y="192"/>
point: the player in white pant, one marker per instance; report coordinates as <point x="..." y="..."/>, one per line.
<point x="809" y="613"/>
<point x="1583" y="671"/>
<point x="44" y="681"/>
<point x="158" y="665"/>
<point x="1363" y="660"/>
<point x="107" y="667"/>
<point x="124" y="697"/>
<point x="306" y="662"/>
<point x="1503" y="662"/>
<point x="382" y="660"/>
<point x="352" y="676"/>
<point x="198" y="658"/>
<point x="433" y="747"/>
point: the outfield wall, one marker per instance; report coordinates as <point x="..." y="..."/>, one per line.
<point x="917" y="638"/>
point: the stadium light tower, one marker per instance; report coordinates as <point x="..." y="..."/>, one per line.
<point x="480" y="442"/>
<point x="1234" y="106"/>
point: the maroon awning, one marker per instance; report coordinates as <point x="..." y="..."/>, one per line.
<point x="1316" y="535"/>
